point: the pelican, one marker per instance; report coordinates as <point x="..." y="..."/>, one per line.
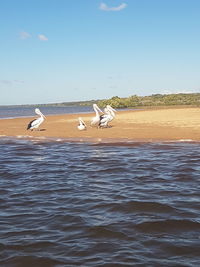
<point x="110" y="111"/>
<point x="34" y="124"/>
<point x="95" y="120"/>
<point x="108" y="116"/>
<point x="82" y="125"/>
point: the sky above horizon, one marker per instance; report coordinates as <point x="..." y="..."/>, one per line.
<point x="55" y="51"/>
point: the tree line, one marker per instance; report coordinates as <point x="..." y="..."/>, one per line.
<point x="135" y="101"/>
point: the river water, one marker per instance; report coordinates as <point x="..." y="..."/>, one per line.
<point x="21" y="111"/>
<point x="99" y="204"/>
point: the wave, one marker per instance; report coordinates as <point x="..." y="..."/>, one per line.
<point x="169" y="226"/>
<point x="23" y="260"/>
<point x="140" y="206"/>
<point x="103" y="232"/>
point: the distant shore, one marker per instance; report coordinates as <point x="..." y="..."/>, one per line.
<point x="169" y="124"/>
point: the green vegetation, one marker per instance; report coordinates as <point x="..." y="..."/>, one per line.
<point x="70" y="104"/>
<point x="63" y="104"/>
<point x="153" y="100"/>
<point x="134" y="101"/>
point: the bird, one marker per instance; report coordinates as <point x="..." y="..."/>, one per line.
<point x="81" y="126"/>
<point x="34" y="124"/>
<point x="108" y="116"/>
<point x="111" y="111"/>
<point x="95" y="120"/>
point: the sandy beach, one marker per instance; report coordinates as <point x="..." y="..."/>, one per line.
<point x="170" y="124"/>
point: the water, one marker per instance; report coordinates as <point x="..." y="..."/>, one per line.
<point x="82" y="204"/>
<point x="19" y="111"/>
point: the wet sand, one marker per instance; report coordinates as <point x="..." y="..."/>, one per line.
<point x="169" y="124"/>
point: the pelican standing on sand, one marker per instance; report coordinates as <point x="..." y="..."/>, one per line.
<point x="110" y="111"/>
<point x="95" y="120"/>
<point x="82" y="125"/>
<point x="107" y="117"/>
<point x="34" y="124"/>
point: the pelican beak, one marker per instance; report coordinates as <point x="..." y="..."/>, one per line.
<point x="100" y="110"/>
<point x="113" y="109"/>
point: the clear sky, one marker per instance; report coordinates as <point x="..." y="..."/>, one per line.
<point x="72" y="50"/>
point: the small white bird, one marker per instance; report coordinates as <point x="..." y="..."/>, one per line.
<point x="95" y="120"/>
<point x="34" y="124"/>
<point x="82" y="125"/>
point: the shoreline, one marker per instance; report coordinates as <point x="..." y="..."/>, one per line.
<point x="150" y="125"/>
<point x="96" y="142"/>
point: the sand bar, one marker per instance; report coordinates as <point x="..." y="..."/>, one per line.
<point x="169" y="124"/>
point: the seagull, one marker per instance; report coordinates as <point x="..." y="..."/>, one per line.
<point x="109" y="115"/>
<point x="95" y="120"/>
<point x="34" y="124"/>
<point x="82" y="125"/>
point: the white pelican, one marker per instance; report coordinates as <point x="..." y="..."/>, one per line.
<point x="95" y="120"/>
<point x="111" y="111"/>
<point x="82" y="125"/>
<point x="107" y="117"/>
<point x="34" y="124"/>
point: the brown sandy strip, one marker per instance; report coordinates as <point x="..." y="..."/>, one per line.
<point x="136" y="125"/>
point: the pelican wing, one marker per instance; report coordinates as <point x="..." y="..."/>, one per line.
<point x="30" y="124"/>
<point x="35" y="123"/>
<point x="104" y="119"/>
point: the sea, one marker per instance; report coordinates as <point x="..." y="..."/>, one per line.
<point x="66" y="203"/>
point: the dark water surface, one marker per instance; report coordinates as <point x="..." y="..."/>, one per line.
<point x="81" y="204"/>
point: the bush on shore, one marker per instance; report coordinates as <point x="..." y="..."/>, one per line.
<point x="153" y="100"/>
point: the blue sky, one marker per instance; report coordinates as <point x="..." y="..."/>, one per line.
<point x="72" y="50"/>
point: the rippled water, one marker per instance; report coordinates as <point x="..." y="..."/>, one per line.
<point x="81" y="204"/>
